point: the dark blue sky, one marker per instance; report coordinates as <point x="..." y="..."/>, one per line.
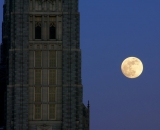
<point x="112" y="30"/>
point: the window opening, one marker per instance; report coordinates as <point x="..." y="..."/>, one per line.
<point x="38" y="59"/>
<point x="37" y="94"/>
<point x="38" y="4"/>
<point x="52" y="58"/>
<point x="38" y="76"/>
<point x="52" y="94"/>
<point x="38" y="30"/>
<point x="37" y="111"/>
<point x="52" y="31"/>
<point x="51" y="111"/>
<point x="52" y="76"/>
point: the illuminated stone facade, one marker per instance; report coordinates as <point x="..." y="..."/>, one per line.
<point x="44" y="89"/>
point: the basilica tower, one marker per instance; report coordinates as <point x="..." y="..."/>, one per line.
<point x="43" y="63"/>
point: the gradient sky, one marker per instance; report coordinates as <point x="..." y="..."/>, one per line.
<point x="112" y="30"/>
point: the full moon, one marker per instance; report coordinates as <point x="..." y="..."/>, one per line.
<point x="132" y="67"/>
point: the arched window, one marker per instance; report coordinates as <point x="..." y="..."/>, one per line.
<point x="38" y="30"/>
<point x="52" y="31"/>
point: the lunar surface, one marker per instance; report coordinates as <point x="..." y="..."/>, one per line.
<point x="132" y="67"/>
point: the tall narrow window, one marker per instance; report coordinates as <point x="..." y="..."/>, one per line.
<point x="60" y="5"/>
<point x="38" y="4"/>
<point x="52" y="91"/>
<point x="52" y="31"/>
<point x="38" y="30"/>
<point x="52" y="58"/>
<point x="52" y="5"/>
<point x="37" y="111"/>
<point x="31" y="4"/>
<point x="37" y="93"/>
<point x="52" y="76"/>
<point x="30" y="29"/>
<point x="37" y="76"/>
<point x="38" y="58"/>
<point x="51" y="111"/>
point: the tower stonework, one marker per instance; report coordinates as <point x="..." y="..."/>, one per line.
<point x="43" y="65"/>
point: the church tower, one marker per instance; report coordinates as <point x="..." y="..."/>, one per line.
<point x="43" y="61"/>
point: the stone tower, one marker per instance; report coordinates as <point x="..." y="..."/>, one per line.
<point x="43" y="65"/>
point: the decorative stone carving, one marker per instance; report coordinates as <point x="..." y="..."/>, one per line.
<point x="50" y="1"/>
<point x="44" y="127"/>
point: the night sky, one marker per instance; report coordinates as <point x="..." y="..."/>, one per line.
<point x="112" y="30"/>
